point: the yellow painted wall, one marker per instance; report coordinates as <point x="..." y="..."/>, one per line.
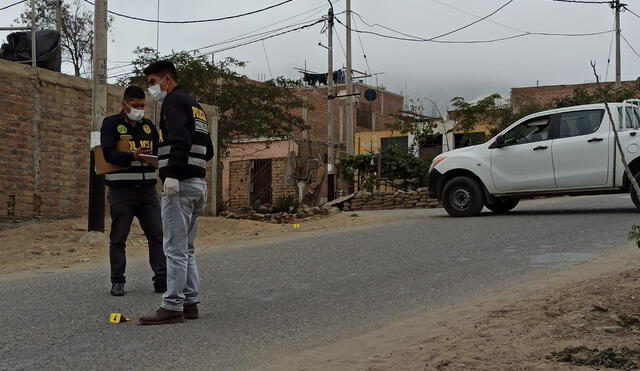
<point x="370" y="141"/>
<point x="480" y="128"/>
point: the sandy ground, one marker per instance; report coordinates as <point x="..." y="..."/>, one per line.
<point x="57" y="244"/>
<point x="515" y="328"/>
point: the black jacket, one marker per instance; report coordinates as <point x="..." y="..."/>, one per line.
<point x="144" y="134"/>
<point x="185" y="145"/>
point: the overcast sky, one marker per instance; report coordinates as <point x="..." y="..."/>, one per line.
<point x="437" y="71"/>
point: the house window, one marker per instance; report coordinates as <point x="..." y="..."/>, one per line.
<point x="364" y="116"/>
<point x="400" y="144"/>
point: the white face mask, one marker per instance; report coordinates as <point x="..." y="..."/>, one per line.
<point x="156" y="92"/>
<point x="135" y="114"/>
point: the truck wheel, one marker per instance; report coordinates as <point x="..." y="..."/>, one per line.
<point x="502" y="206"/>
<point x="632" y="191"/>
<point x="462" y="196"/>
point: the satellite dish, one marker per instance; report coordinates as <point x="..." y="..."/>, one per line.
<point x="370" y="95"/>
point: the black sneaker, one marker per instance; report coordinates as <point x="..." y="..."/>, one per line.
<point x="160" y="286"/>
<point x="117" y="289"/>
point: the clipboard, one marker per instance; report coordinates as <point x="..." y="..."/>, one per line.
<point x="150" y="159"/>
<point x="104" y="167"/>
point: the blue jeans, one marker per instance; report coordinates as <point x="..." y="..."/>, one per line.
<point x="180" y="226"/>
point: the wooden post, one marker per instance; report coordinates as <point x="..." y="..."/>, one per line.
<point x="213" y="132"/>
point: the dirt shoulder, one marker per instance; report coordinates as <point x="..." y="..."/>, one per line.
<point x="590" y="305"/>
<point x="60" y="244"/>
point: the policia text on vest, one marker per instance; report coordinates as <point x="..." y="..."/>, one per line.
<point x="132" y="191"/>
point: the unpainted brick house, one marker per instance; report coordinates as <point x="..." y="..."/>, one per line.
<point x="260" y="170"/>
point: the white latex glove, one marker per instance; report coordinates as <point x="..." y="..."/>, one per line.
<point x="171" y="187"/>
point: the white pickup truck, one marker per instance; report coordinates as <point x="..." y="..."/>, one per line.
<point x="558" y="152"/>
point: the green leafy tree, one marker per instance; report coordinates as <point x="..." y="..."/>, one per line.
<point x="403" y="170"/>
<point x="489" y="111"/>
<point x="399" y="169"/>
<point x="76" y="30"/>
<point x="603" y="93"/>
<point x="360" y="169"/>
<point x="414" y="122"/>
<point x="248" y="109"/>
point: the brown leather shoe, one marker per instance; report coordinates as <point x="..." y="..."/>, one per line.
<point x="191" y="311"/>
<point x="162" y="317"/>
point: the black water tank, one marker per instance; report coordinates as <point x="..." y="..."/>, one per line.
<point x="48" y="47"/>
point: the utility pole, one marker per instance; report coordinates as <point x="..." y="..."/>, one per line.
<point x="618" y="61"/>
<point x="155" y="104"/>
<point x="350" y="149"/>
<point x="213" y="133"/>
<point x="99" y="108"/>
<point x="330" y="95"/>
<point x="59" y="16"/>
<point x="34" y="52"/>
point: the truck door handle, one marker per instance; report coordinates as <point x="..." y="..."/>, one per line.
<point x="538" y="148"/>
<point x="595" y="140"/>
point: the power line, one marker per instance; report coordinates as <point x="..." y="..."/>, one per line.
<point x="14" y="4"/>
<point x="198" y="20"/>
<point x="606" y="75"/>
<point x="421" y="39"/>
<point x="340" y="42"/>
<point x="477" y="16"/>
<point x="267" y="57"/>
<point x="417" y="38"/>
<point x="265" y="38"/>
<point x="228" y="41"/>
<point x="627" y="41"/>
<point x="584" y="2"/>
<point x="630" y="11"/>
<point x="364" y="54"/>
<point x="314" y="11"/>
<point x="474" y="22"/>
<point x="244" y="44"/>
<point x="249" y="33"/>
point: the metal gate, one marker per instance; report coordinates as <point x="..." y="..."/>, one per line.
<point x="261" y="181"/>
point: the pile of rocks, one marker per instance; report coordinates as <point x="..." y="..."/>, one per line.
<point x="303" y="212"/>
<point x="391" y="200"/>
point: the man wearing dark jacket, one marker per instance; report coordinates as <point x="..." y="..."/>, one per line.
<point x="132" y="190"/>
<point x="185" y="148"/>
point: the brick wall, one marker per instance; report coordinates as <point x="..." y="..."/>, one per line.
<point x="544" y="95"/>
<point x="45" y="126"/>
<point x="279" y="187"/>
<point x="383" y="107"/>
<point x="239" y="183"/>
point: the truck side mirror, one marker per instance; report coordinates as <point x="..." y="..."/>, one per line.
<point x="499" y="142"/>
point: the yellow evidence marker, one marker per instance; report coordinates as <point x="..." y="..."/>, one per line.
<point x="116" y="318"/>
<point x="296" y="226"/>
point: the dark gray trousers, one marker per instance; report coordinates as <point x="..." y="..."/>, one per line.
<point x="142" y="203"/>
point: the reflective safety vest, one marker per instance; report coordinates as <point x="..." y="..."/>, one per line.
<point x="185" y="145"/>
<point x="144" y="134"/>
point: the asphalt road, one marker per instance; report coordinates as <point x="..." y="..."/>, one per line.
<point x="266" y="301"/>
